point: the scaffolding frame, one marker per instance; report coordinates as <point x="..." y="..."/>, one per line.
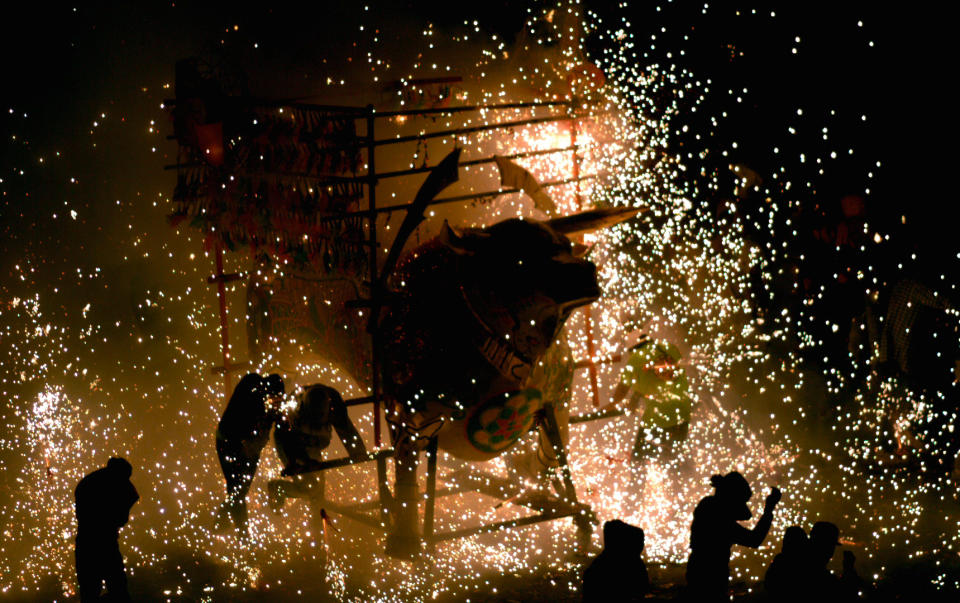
<point x="375" y="302"/>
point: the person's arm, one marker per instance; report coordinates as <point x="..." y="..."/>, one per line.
<point x="755" y="537"/>
<point x="130" y="498"/>
<point x="620" y="393"/>
<point x="624" y="398"/>
<point x="850" y="581"/>
<point x="921" y="294"/>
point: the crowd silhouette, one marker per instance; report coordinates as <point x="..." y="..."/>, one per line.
<point x="798" y="573"/>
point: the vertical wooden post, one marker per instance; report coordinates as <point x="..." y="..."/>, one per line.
<point x="431" y="501"/>
<point x="552" y="430"/>
<point x="588" y="313"/>
<point x="224" y="333"/>
<point x="386" y="499"/>
<point x="375" y="294"/>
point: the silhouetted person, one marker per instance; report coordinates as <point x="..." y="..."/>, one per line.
<point x="715" y="530"/>
<point x="103" y="500"/>
<point x="618" y="573"/>
<point x="786" y="578"/>
<point x="825" y="587"/>
<point x="242" y="433"/>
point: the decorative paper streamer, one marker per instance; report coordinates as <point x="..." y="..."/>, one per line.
<point x="276" y="179"/>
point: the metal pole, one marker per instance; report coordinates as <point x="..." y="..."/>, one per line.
<point x="224" y="334"/>
<point x="375" y="294"/>
<point x="471" y="130"/>
<point x="502" y="525"/>
<point x="386" y="498"/>
<point x="552" y="429"/>
<point x="431" y="489"/>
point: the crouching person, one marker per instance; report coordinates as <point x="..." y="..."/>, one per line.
<point x="300" y="439"/>
<point x="303" y="435"/>
<point x="242" y="433"/>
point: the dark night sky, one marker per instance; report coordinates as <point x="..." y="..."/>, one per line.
<point x="66" y="64"/>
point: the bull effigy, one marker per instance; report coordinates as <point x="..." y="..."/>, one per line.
<point x="471" y="320"/>
<point x="459" y="337"/>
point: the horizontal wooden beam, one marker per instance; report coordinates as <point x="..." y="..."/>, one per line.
<point x="501" y="525"/>
<point x="357" y="516"/>
<point x="225" y="278"/>
<point x="362" y="112"/>
<point x="472" y="162"/>
<point x="292" y="103"/>
<point x="364" y="178"/>
<point x="596" y="416"/>
<point x="471" y="130"/>
<point x="441" y="492"/>
<point x="450" y="110"/>
<point x="230" y="368"/>
<point x="341" y="462"/>
<point x="579" y="364"/>
<point x="360" y="400"/>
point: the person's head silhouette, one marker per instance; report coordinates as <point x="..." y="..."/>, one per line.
<point x="794" y="541"/>
<point x="622" y="537"/>
<point x="274" y="388"/>
<point x="274" y="385"/>
<point x="120" y="466"/>
<point x="733" y="490"/>
<point x="824" y="538"/>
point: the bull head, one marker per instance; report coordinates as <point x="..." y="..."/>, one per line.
<point x="524" y="277"/>
<point x="537" y="255"/>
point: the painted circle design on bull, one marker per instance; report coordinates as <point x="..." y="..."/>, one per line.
<point x="503" y="419"/>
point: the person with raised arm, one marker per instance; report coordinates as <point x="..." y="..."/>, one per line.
<point x="715" y="529"/>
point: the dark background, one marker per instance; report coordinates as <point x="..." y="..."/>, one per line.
<point x="63" y="63"/>
<point x="64" y="67"/>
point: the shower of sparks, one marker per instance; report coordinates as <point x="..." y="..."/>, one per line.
<point x="681" y="273"/>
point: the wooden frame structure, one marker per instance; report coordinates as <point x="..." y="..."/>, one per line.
<point x="369" y="143"/>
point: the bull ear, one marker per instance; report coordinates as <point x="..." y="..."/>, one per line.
<point x="580" y="250"/>
<point x="449" y="237"/>
<point x="592" y="219"/>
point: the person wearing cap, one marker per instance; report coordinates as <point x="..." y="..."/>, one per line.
<point x="824" y="585"/>
<point x="618" y="574"/>
<point x="242" y="433"/>
<point x="102" y="501"/>
<point x="715" y="530"/>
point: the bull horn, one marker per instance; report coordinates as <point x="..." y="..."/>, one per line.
<point x="449" y="235"/>
<point x="592" y="219"/>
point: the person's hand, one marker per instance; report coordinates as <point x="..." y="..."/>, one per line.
<point x="848" y="560"/>
<point x="772" y="499"/>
